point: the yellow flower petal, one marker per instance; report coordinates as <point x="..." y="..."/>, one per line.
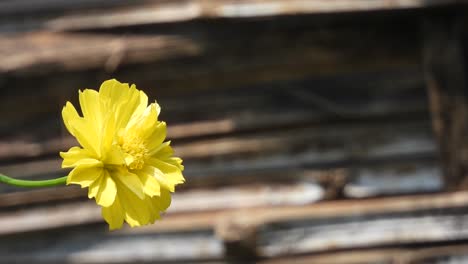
<point x="114" y="215"/>
<point x="156" y="136"/>
<point x="85" y="135"/>
<point x="120" y="99"/>
<point x="90" y="106"/>
<point x="142" y="105"/>
<point x="76" y="156"/>
<point x="84" y="175"/>
<point x="137" y="211"/>
<point x="162" y="202"/>
<point x="172" y="173"/>
<point x="113" y="92"/>
<point x="150" y="184"/>
<point x="176" y="162"/>
<point x="107" y="135"/>
<point x="130" y="181"/>
<point x="114" y="156"/>
<point x="104" y="190"/>
<point x="126" y="109"/>
<point x="163" y="151"/>
<point x="69" y="113"/>
<point x="159" y="176"/>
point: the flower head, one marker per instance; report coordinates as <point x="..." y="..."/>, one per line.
<point x="123" y="159"/>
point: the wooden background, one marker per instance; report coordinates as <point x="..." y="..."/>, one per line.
<point x="304" y="126"/>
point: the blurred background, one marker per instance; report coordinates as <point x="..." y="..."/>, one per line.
<point x="304" y="125"/>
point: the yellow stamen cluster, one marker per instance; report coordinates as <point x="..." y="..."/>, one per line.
<point x="135" y="151"/>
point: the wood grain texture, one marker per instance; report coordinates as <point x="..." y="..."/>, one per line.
<point x="406" y="221"/>
<point x="287" y="151"/>
<point x="296" y="54"/>
<point x="404" y="255"/>
<point x="445" y="63"/>
<point x="218" y="111"/>
<point x="305" y="236"/>
<point x="59" y="15"/>
<point x="191" y="10"/>
<point x="46" y="52"/>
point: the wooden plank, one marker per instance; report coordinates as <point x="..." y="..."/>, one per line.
<point x="219" y="112"/>
<point x="213" y="8"/>
<point x="253" y="153"/>
<point x="321" y="212"/>
<point x="87" y="212"/>
<point x="289" y="231"/>
<point x="44" y="51"/>
<point x="273" y="157"/>
<point x="344" y="96"/>
<point x="229" y="197"/>
<point x="200" y="247"/>
<point x="203" y="247"/>
<point x="90" y="14"/>
<point x="296" y="55"/>
<point x="252" y="195"/>
<point x="393" y="179"/>
<point x="338" y="233"/>
<point x="179" y="11"/>
<point x="444" y="61"/>
<point x="282" y="52"/>
<point x="355" y="182"/>
<point x="102" y="246"/>
<point x="319" y="147"/>
<point x="413" y="137"/>
<point x="404" y="255"/>
<point x="438" y="217"/>
<point x="340" y="140"/>
<point x="22" y="198"/>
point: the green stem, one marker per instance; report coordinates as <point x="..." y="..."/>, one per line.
<point x="28" y="183"/>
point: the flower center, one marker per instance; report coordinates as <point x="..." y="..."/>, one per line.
<point x="135" y="151"/>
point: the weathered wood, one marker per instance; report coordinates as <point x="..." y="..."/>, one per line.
<point x="412" y="220"/>
<point x="400" y="255"/>
<point x="355" y="182"/>
<point x="239" y="239"/>
<point x="220" y="8"/>
<point x="119" y="13"/>
<point x="102" y="246"/>
<point x="22" y="198"/>
<point x="287" y="151"/>
<point x="38" y="128"/>
<point x="342" y="142"/>
<point x="445" y="65"/>
<point x="52" y="212"/>
<point x="285" y="52"/>
<point x="392" y="179"/>
<point x="190" y="62"/>
<point x="47" y="52"/>
<point x="200" y="247"/>
<point x="287" y="238"/>
<point x="81" y="15"/>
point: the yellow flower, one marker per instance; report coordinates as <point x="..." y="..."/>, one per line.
<point x="123" y="158"/>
